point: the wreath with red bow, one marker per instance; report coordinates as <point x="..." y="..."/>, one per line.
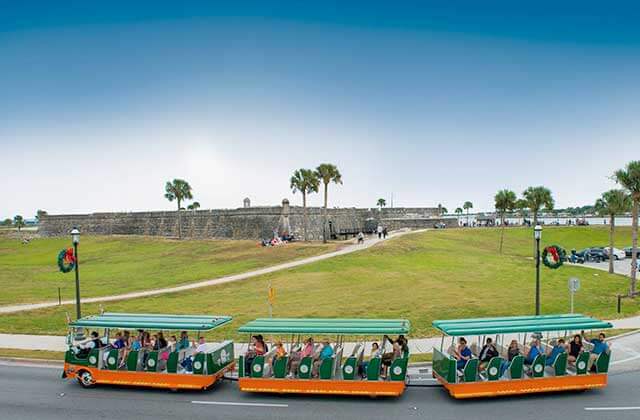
<point x="66" y="260"/>
<point x="553" y="256"/>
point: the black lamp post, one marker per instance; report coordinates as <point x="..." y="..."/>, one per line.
<point x="75" y="238"/>
<point x="537" y="234"/>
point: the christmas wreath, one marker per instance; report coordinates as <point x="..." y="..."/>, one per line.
<point x="66" y="260"/>
<point x="553" y="256"/>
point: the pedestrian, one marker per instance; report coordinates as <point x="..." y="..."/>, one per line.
<point x="384" y="233"/>
<point x="379" y="230"/>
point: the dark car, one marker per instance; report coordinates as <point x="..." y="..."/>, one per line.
<point x="591" y="254"/>
<point x="627" y="252"/>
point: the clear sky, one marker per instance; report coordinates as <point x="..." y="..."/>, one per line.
<point x="102" y="104"/>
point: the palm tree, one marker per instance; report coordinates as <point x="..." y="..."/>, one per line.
<point x="505" y="200"/>
<point x="442" y="210"/>
<point x="612" y="203"/>
<point x="381" y="203"/>
<point x="629" y="178"/>
<point x="327" y="172"/>
<point x="522" y="206"/>
<point x="537" y="198"/>
<point x="39" y="214"/>
<point x="178" y="190"/>
<point x="193" y="206"/>
<point x="467" y="205"/>
<point x="458" y="212"/>
<point x="305" y="181"/>
<point x="18" y="222"/>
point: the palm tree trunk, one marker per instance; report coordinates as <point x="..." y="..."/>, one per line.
<point x="467" y="217"/>
<point x="634" y="244"/>
<point x="501" y="232"/>
<point x="179" y="221"/>
<point x="612" y="221"/>
<point x="324" y="216"/>
<point x="304" y="214"/>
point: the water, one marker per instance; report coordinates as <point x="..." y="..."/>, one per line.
<point x="593" y="220"/>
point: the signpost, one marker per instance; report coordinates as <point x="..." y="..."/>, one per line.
<point x="574" y="286"/>
<point x="271" y="297"/>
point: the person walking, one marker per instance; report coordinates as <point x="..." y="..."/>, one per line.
<point x="384" y="233"/>
<point x="379" y="230"/>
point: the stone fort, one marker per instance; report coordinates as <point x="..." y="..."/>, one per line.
<point x="243" y="223"/>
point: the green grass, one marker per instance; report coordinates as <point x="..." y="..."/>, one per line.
<point x="437" y="274"/>
<point x="32" y="354"/>
<point x="118" y="264"/>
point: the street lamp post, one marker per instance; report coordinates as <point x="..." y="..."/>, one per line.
<point x="537" y="234"/>
<point x="75" y="238"/>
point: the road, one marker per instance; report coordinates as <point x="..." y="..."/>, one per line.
<point x="39" y="393"/>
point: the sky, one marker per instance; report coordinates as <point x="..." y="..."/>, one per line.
<point x="101" y="103"/>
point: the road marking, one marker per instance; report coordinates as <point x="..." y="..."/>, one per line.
<point x="240" y="404"/>
<point x="611" y="408"/>
<point x="629" y="359"/>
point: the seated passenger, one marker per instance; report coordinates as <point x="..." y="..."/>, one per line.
<point x="183" y="344"/>
<point x="280" y="353"/>
<point x="534" y="351"/>
<point x="487" y="353"/>
<point x="94" y="343"/>
<point x="296" y="357"/>
<point x="173" y="343"/>
<point x="512" y="352"/>
<point x="555" y="351"/>
<point x="364" y="365"/>
<point x="256" y="348"/>
<point x="396" y="352"/>
<point x="599" y="346"/>
<point x="575" y="348"/>
<point x="325" y="353"/>
<point x="462" y="353"/>
<point x="119" y="341"/>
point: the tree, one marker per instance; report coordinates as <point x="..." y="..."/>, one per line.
<point x="505" y="200"/>
<point x="194" y="206"/>
<point x="39" y="214"/>
<point x="18" y="222"/>
<point x="629" y="178"/>
<point x="178" y="190"/>
<point x="327" y="173"/>
<point x="522" y="206"/>
<point x="305" y="181"/>
<point x="381" y="203"/>
<point x="612" y="203"/>
<point x="7" y="222"/>
<point x="467" y="205"/>
<point x="537" y="198"/>
<point x="442" y="210"/>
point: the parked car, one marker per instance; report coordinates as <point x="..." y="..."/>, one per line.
<point x="627" y="252"/>
<point x="591" y="254"/>
<point x="439" y="225"/>
<point x="618" y="254"/>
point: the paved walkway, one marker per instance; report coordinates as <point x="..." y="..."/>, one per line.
<point x="369" y="242"/>
<point x="622" y="267"/>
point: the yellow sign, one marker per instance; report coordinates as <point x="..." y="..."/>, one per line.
<point x="272" y="295"/>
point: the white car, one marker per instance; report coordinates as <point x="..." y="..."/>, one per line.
<point x="618" y="254"/>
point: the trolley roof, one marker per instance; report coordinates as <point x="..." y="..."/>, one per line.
<point x="327" y="326"/>
<point x="519" y="324"/>
<point x="152" y="321"/>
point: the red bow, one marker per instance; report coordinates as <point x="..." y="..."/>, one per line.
<point x="69" y="258"/>
<point x="554" y="253"/>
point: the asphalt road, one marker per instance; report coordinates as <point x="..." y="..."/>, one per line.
<point x="39" y="393"/>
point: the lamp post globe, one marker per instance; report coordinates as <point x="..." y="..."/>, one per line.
<point x="75" y="236"/>
<point x="537" y="234"/>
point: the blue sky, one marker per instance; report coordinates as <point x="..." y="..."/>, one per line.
<point x="433" y="103"/>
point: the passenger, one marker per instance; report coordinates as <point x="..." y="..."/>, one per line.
<point x="256" y="348"/>
<point x="395" y="353"/>
<point x="119" y="342"/>
<point x="364" y="365"/>
<point x="512" y="352"/>
<point x="534" y="351"/>
<point x="183" y="344"/>
<point x="599" y="346"/>
<point x="462" y="354"/>
<point x="154" y="342"/>
<point x="575" y="348"/>
<point x="201" y="347"/>
<point x="404" y="345"/>
<point x="558" y="348"/>
<point x="173" y="343"/>
<point x="296" y="357"/>
<point x="93" y="343"/>
<point x="264" y="345"/>
<point x="280" y="353"/>
<point x="325" y="353"/>
<point x="487" y="353"/>
<point x="161" y="342"/>
<point x="127" y="349"/>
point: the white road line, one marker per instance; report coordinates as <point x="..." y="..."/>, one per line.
<point x="611" y="408"/>
<point x="625" y="360"/>
<point x="240" y="404"/>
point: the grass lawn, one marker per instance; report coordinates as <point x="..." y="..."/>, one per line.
<point x="118" y="264"/>
<point x="436" y="274"/>
<point x="32" y="354"/>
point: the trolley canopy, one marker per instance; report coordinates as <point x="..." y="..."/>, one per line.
<point x="327" y="326"/>
<point x="519" y="324"/>
<point x="152" y="321"/>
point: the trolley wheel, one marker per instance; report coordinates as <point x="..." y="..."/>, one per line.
<point x="86" y="379"/>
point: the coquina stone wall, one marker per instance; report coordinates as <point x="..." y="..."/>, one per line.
<point x="241" y="223"/>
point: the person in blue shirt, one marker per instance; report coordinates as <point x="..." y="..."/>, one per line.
<point x="599" y="346"/>
<point x="462" y="354"/>
<point x="534" y="351"/>
<point x="555" y="351"/>
<point x="325" y="353"/>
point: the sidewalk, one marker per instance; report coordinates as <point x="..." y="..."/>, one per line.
<point x="213" y="282"/>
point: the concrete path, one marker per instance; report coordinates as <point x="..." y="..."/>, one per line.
<point x="369" y="242"/>
<point x="622" y="267"/>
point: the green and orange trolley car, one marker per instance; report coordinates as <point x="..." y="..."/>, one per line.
<point x="502" y="377"/>
<point x="159" y="368"/>
<point x="335" y="375"/>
